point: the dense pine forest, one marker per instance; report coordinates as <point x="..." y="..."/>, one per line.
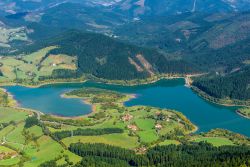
<point x="196" y="154"/>
<point x="109" y="58"/>
<point x="234" y="85"/>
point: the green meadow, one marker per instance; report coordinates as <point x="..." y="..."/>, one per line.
<point x="120" y="140"/>
<point x="31" y="67"/>
<point x="216" y="141"/>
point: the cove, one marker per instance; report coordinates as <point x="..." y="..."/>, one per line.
<point x="171" y="94"/>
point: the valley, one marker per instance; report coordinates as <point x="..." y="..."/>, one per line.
<point x="108" y="83"/>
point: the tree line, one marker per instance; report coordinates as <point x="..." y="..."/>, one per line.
<point x="233" y="86"/>
<point x="195" y="154"/>
<point x="86" y="132"/>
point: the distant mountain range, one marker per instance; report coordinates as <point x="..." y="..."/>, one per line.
<point x="137" y="8"/>
<point x="133" y="7"/>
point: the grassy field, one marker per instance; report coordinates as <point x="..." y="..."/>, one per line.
<point x="216" y="141"/>
<point x="36" y="149"/>
<point x="16" y="135"/>
<point x="10" y="162"/>
<point x="31" y="67"/>
<point x="145" y="124"/>
<point x="6" y="149"/>
<point x="10" y="114"/>
<point x="121" y="140"/>
<point x="6" y="131"/>
<point x="169" y="142"/>
<point x="47" y="146"/>
<point x="36" y="131"/>
<point x="148" y="136"/>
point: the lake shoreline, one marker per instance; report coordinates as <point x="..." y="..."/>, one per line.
<point x="214" y="100"/>
<point x="146" y="81"/>
<point x="81" y="115"/>
<point x="86" y="101"/>
<point x="151" y="80"/>
<point x="239" y="113"/>
<point x="43" y="84"/>
<point x="187" y="79"/>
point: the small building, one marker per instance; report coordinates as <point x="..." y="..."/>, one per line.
<point x="127" y="117"/>
<point x="132" y="127"/>
<point x="158" y="126"/>
<point x="141" y="150"/>
<point x="157" y="113"/>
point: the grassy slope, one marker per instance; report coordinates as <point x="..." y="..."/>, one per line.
<point x="216" y="141"/>
<point x="36" y="130"/>
<point x="9" y="114"/>
<point x="121" y="140"/>
<point x="47" y="147"/>
<point x="37" y="64"/>
<point x="148" y="134"/>
<point x="15" y="138"/>
<point x="169" y="142"/>
<point x="10" y="162"/>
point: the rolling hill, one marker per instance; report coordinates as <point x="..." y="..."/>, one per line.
<point x="109" y="58"/>
<point x="234" y="85"/>
<point x="219" y="40"/>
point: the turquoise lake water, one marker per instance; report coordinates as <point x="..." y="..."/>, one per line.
<point x="170" y="94"/>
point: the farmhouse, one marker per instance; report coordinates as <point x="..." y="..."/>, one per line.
<point x="127" y="117"/>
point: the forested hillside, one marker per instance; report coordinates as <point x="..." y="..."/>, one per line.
<point x="108" y="58"/>
<point x="235" y="85"/>
<point x="218" y="41"/>
<point x="200" y="154"/>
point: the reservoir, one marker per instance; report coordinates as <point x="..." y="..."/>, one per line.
<point x="170" y="94"/>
